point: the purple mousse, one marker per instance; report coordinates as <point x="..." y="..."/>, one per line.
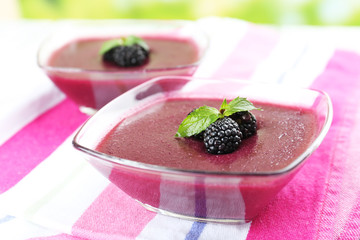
<point x="147" y="136"/>
<point x="166" y="52"/>
<point x="91" y="82"/>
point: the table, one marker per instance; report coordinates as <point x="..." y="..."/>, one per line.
<point x="48" y="192"/>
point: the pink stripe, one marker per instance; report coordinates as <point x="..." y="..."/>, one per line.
<point x="307" y="207"/>
<point x="342" y="189"/>
<point x="36" y="141"/>
<point x="256" y="45"/>
<point x="112" y="215"/>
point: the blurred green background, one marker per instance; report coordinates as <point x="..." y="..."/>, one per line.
<point x="311" y="12"/>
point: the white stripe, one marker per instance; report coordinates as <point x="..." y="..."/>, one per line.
<point x="25" y="91"/>
<point x="223" y="231"/>
<point x="218" y="51"/>
<point x="173" y="199"/>
<point x="163" y="228"/>
<point x="296" y="60"/>
<point x="311" y="62"/>
<point x="19" y="229"/>
<point x="230" y="203"/>
<point x="57" y="192"/>
<point x="16" y="113"/>
<point x="345" y="38"/>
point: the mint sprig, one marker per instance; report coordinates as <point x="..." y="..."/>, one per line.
<point x="132" y="40"/>
<point x="125" y="41"/>
<point x="199" y="119"/>
<point x="237" y="105"/>
<point x="108" y="45"/>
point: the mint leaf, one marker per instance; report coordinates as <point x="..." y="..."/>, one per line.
<point x="132" y="40"/>
<point x="106" y="46"/>
<point x="238" y="105"/>
<point x="197" y="121"/>
<point x="125" y="41"/>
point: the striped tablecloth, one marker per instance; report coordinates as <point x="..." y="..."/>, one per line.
<point x="47" y="191"/>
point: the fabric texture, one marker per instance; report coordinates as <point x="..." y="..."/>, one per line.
<point x="49" y="192"/>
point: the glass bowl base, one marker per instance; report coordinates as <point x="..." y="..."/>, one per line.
<point x="87" y="110"/>
<point x="192" y="218"/>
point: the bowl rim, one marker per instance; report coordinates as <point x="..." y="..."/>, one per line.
<point x="177" y="171"/>
<point x="182" y="23"/>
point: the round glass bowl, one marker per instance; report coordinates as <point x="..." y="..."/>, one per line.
<point x="70" y="57"/>
<point x="202" y="195"/>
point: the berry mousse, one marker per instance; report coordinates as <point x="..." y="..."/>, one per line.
<point x="165" y="52"/>
<point x="92" y="80"/>
<point x="147" y="135"/>
<point x="201" y="179"/>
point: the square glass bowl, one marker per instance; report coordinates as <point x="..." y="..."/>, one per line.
<point x="213" y="196"/>
<point x="89" y="82"/>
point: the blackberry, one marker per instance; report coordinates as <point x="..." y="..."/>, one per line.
<point x="247" y="123"/>
<point x="127" y="56"/>
<point x="199" y="136"/>
<point x="222" y="136"/>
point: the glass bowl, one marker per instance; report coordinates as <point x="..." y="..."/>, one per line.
<point x="90" y="83"/>
<point x="202" y="194"/>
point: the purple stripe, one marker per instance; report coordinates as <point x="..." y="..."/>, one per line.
<point x="200" y="200"/>
<point x="6" y="219"/>
<point x="195" y="231"/>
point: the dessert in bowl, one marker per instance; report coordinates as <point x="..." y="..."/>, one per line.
<point x="72" y="56"/>
<point x="134" y="141"/>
